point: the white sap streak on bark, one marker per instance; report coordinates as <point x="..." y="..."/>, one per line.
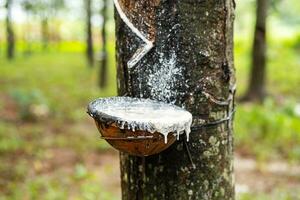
<point x="141" y="52"/>
<point x="163" y="78"/>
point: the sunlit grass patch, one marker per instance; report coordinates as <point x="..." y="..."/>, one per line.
<point x="269" y="130"/>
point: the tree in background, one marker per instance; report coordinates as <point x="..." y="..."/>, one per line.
<point x="10" y="36"/>
<point x="89" y="32"/>
<point x="104" y="54"/>
<point x="257" y="86"/>
<point x="45" y="10"/>
<point x="28" y="8"/>
<point x="191" y="65"/>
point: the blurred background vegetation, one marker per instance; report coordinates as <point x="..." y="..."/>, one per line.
<point x="56" y="56"/>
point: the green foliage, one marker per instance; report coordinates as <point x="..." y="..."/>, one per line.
<point x="9" y="142"/>
<point x="81" y="172"/>
<point x="43" y="8"/>
<point x="296" y="42"/>
<point x="283" y="76"/>
<point x="64" y="83"/>
<point x="32" y="104"/>
<point x="278" y="194"/>
<point x="269" y="130"/>
<point x="288" y="11"/>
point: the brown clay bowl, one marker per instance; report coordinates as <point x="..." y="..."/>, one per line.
<point x="138" y="143"/>
<point x="119" y="133"/>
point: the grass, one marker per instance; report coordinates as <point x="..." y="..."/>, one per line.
<point x="60" y="85"/>
<point x="42" y="110"/>
<point x="270" y="130"/>
<point x="278" y="194"/>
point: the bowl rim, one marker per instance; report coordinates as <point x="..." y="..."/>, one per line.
<point x="120" y="122"/>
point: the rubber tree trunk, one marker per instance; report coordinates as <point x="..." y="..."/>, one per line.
<point x="190" y="65"/>
<point x="104" y="54"/>
<point x="10" y="36"/>
<point x="89" y="34"/>
<point x="256" y="90"/>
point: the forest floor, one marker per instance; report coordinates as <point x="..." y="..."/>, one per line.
<point x="77" y="171"/>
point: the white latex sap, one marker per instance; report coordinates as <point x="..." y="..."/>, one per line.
<point x="147" y="115"/>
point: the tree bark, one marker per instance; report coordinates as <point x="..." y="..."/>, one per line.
<point x="10" y="36"/>
<point x="256" y="90"/>
<point x="104" y="53"/>
<point x="27" y="36"/>
<point x="45" y="32"/>
<point x="190" y="65"/>
<point x="89" y="34"/>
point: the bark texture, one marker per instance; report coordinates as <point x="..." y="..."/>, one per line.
<point x="256" y="90"/>
<point x="10" y="35"/>
<point x="192" y="60"/>
<point x="89" y="33"/>
<point x="104" y="55"/>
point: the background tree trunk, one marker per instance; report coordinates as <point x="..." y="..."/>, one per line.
<point x="89" y="34"/>
<point x="27" y="35"/>
<point x="192" y="58"/>
<point x="45" y="32"/>
<point x="104" y="53"/>
<point x="10" y="36"/>
<point x="256" y="90"/>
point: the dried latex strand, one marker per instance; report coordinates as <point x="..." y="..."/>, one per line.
<point x="142" y="51"/>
